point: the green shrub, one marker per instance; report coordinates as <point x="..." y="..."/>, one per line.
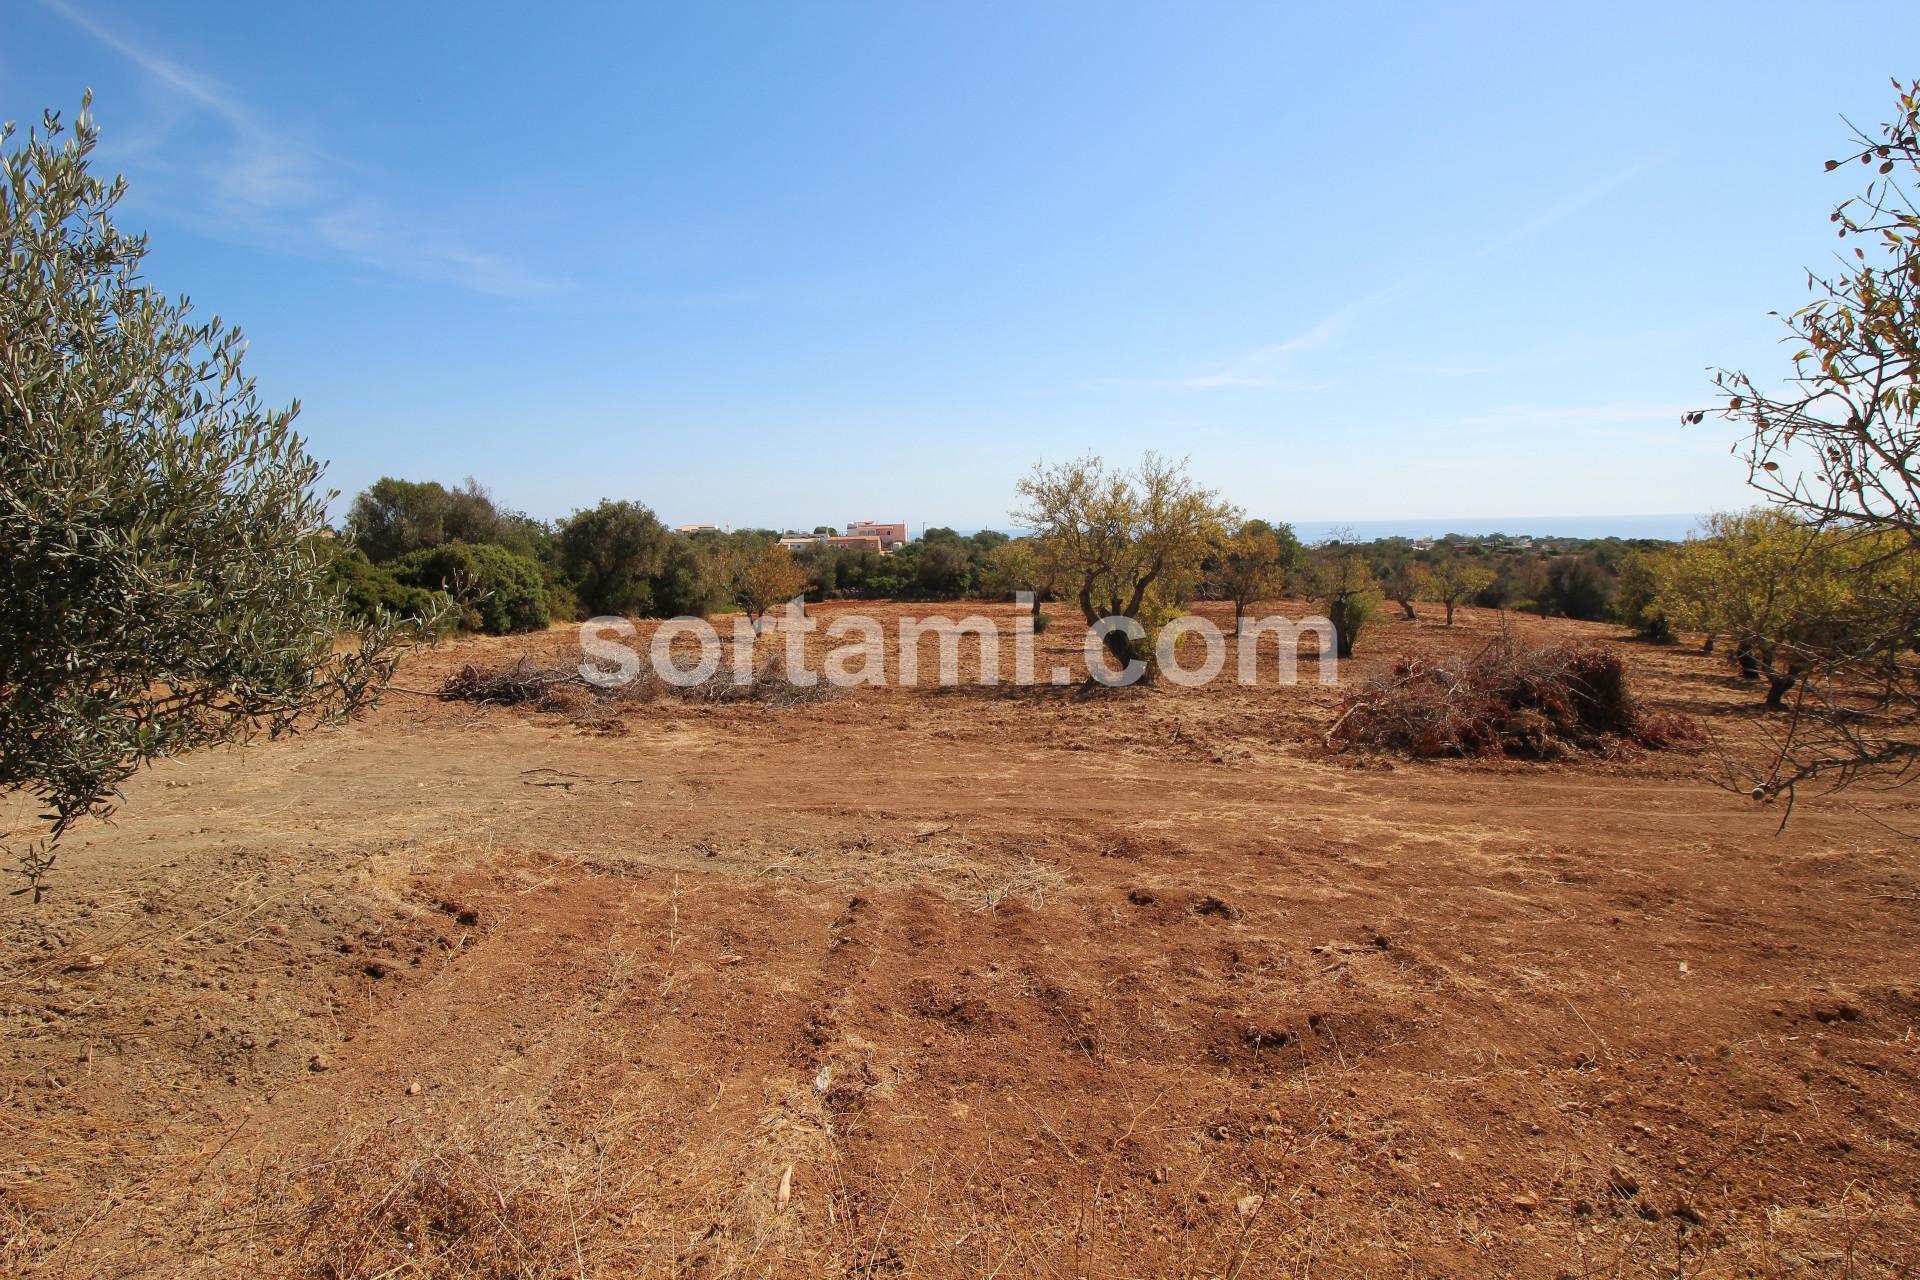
<point x="611" y="552"/>
<point x="1577" y="587"/>
<point x="365" y="588"/>
<point x="1637" y="602"/>
<point x="494" y="590"/>
<point x="562" y="604"/>
<point x="1350" y="615"/>
<point x="1344" y="585"/>
<point x="944" y="570"/>
<point x="689" y="583"/>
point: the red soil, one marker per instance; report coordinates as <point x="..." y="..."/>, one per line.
<point x="942" y="983"/>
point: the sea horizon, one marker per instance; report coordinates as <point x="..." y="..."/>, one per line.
<point x="1669" y="527"/>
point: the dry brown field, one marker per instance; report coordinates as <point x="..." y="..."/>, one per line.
<point x="936" y="983"/>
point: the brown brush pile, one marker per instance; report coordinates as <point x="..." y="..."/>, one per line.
<point x="508" y="686"/>
<point x="768" y="686"/>
<point x="1537" y="703"/>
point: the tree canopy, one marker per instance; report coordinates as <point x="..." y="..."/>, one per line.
<point x="1837" y="449"/>
<point x="1124" y="543"/>
<point x="1251" y="565"/>
<point x="612" y="551"/>
<point x="163" y="579"/>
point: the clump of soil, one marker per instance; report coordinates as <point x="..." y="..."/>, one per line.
<point x="1538" y="703"/>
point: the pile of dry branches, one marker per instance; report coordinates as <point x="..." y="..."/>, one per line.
<point x="509" y="686"/>
<point x="1538" y="703"/>
<point x="769" y="686"/>
<point x="562" y="690"/>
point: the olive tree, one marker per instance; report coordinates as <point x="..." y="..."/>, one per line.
<point x="1023" y="564"/>
<point x="1837" y="448"/>
<point x="163" y="584"/>
<point x="1405" y="581"/>
<point x="1249" y="566"/>
<point x="765" y="578"/>
<point x="1780" y="588"/>
<point x="1343" y="583"/>
<point x="1452" y="579"/>
<point x="1126" y="544"/>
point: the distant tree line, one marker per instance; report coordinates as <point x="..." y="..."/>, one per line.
<point x="1566" y="578"/>
<point x="411" y="545"/>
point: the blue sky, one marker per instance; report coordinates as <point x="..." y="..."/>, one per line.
<point x="808" y="263"/>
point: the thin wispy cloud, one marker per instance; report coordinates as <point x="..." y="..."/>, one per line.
<point x="1259" y="368"/>
<point x="1552" y="427"/>
<point x="1566" y="208"/>
<point x="1585" y="415"/>
<point x="1263" y="366"/>
<point x="172" y="74"/>
<point x="263" y="185"/>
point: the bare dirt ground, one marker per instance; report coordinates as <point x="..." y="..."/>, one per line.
<point x="979" y="983"/>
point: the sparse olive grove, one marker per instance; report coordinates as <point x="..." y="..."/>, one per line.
<point x="1783" y="595"/>
<point x="171" y="579"/>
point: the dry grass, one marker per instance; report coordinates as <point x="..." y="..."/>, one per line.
<point x="395" y="1203"/>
